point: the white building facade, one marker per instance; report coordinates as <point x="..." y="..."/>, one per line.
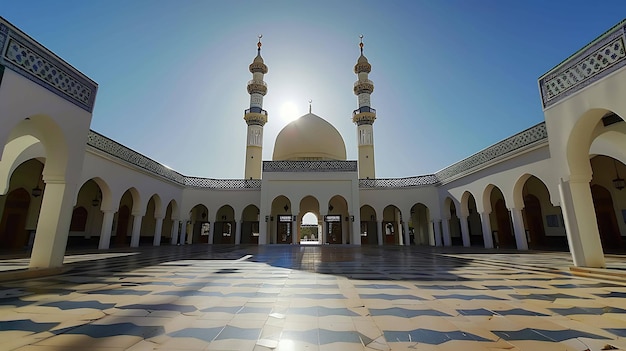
<point x="556" y="185"/>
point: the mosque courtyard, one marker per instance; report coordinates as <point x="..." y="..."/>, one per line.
<point x="291" y="297"/>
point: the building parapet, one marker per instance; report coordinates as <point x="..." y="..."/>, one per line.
<point x="309" y="166"/>
<point x="596" y="60"/>
<point x="526" y="138"/>
<point x="115" y="149"/>
<point x="408" y="182"/>
<point x="197" y="182"/>
<point x="25" y="56"/>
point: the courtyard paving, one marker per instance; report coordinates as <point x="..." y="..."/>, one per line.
<point x="201" y="297"/>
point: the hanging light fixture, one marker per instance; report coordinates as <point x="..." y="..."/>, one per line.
<point x="96" y="200"/>
<point x="37" y="191"/>
<point x="618" y="182"/>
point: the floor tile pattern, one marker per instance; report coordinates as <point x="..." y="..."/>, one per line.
<point x="201" y="297"/>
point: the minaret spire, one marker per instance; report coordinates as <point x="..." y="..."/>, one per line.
<point x="361" y="44"/>
<point x="364" y="116"/>
<point x="310" y="105"/>
<point x="255" y="116"/>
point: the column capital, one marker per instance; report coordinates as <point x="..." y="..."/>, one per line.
<point x="578" y="178"/>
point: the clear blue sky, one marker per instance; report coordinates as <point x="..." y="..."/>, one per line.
<point x="451" y="77"/>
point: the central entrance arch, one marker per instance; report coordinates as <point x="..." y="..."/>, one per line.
<point x="310" y="229"/>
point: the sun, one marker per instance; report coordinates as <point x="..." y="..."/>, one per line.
<point x="289" y="111"/>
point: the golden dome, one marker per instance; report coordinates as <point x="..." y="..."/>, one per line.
<point x="309" y="138"/>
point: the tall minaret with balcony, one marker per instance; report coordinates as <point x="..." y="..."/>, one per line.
<point x="364" y="117"/>
<point x="255" y="116"/>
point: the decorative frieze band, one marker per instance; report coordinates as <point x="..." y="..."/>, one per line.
<point x="117" y="150"/>
<point x="309" y="166"/>
<point x="197" y="182"/>
<point x="601" y="57"/>
<point x="408" y="182"/>
<point x="525" y="138"/>
<point x="31" y="60"/>
<point x="120" y="151"/>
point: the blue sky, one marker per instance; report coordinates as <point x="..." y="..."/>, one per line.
<point x="451" y="77"/>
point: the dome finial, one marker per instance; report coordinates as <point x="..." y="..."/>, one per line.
<point x="361" y="43"/>
<point x="310" y="104"/>
<point x="259" y="43"/>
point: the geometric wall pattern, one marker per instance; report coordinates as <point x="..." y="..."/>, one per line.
<point x="31" y="60"/>
<point x="598" y="59"/>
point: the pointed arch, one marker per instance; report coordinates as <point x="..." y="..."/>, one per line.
<point x="369" y="226"/>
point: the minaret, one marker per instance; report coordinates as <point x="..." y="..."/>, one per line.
<point x="364" y="117"/>
<point x="255" y="116"/>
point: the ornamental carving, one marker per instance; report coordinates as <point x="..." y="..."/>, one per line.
<point x="599" y="59"/>
<point x="526" y="138"/>
<point x="363" y="86"/>
<point x="309" y="166"/>
<point x="26" y="57"/>
<point x="196" y="182"/>
<point x="257" y="87"/>
<point x="121" y="152"/>
<point x="409" y="182"/>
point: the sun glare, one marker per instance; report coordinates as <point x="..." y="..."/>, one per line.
<point x="289" y="111"/>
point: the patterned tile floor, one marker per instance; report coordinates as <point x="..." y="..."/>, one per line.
<point x="203" y="297"/>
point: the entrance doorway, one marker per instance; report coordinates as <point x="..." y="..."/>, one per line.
<point x="333" y="229"/>
<point x="309" y="233"/>
<point x="224" y="233"/>
<point x="534" y="220"/>
<point x="284" y="230"/>
<point x="504" y="237"/>
<point x="369" y="233"/>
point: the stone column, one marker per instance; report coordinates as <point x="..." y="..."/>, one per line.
<point x="580" y="222"/>
<point x="238" y="224"/>
<point x="437" y="233"/>
<point x="324" y="232"/>
<point x="183" y="232"/>
<point x="105" y="231"/>
<point x="485" y="221"/>
<point x="518" y="229"/>
<point x="380" y="232"/>
<point x="53" y="225"/>
<point x="214" y="232"/>
<point x="405" y="230"/>
<point x="431" y="233"/>
<point x="158" y="228"/>
<point x="263" y="229"/>
<point x="465" y="231"/>
<point x="134" y="240"/>
<point x="294" y="230"/>
<point x="175" y="224"/>
<point x="445" y="226"/>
